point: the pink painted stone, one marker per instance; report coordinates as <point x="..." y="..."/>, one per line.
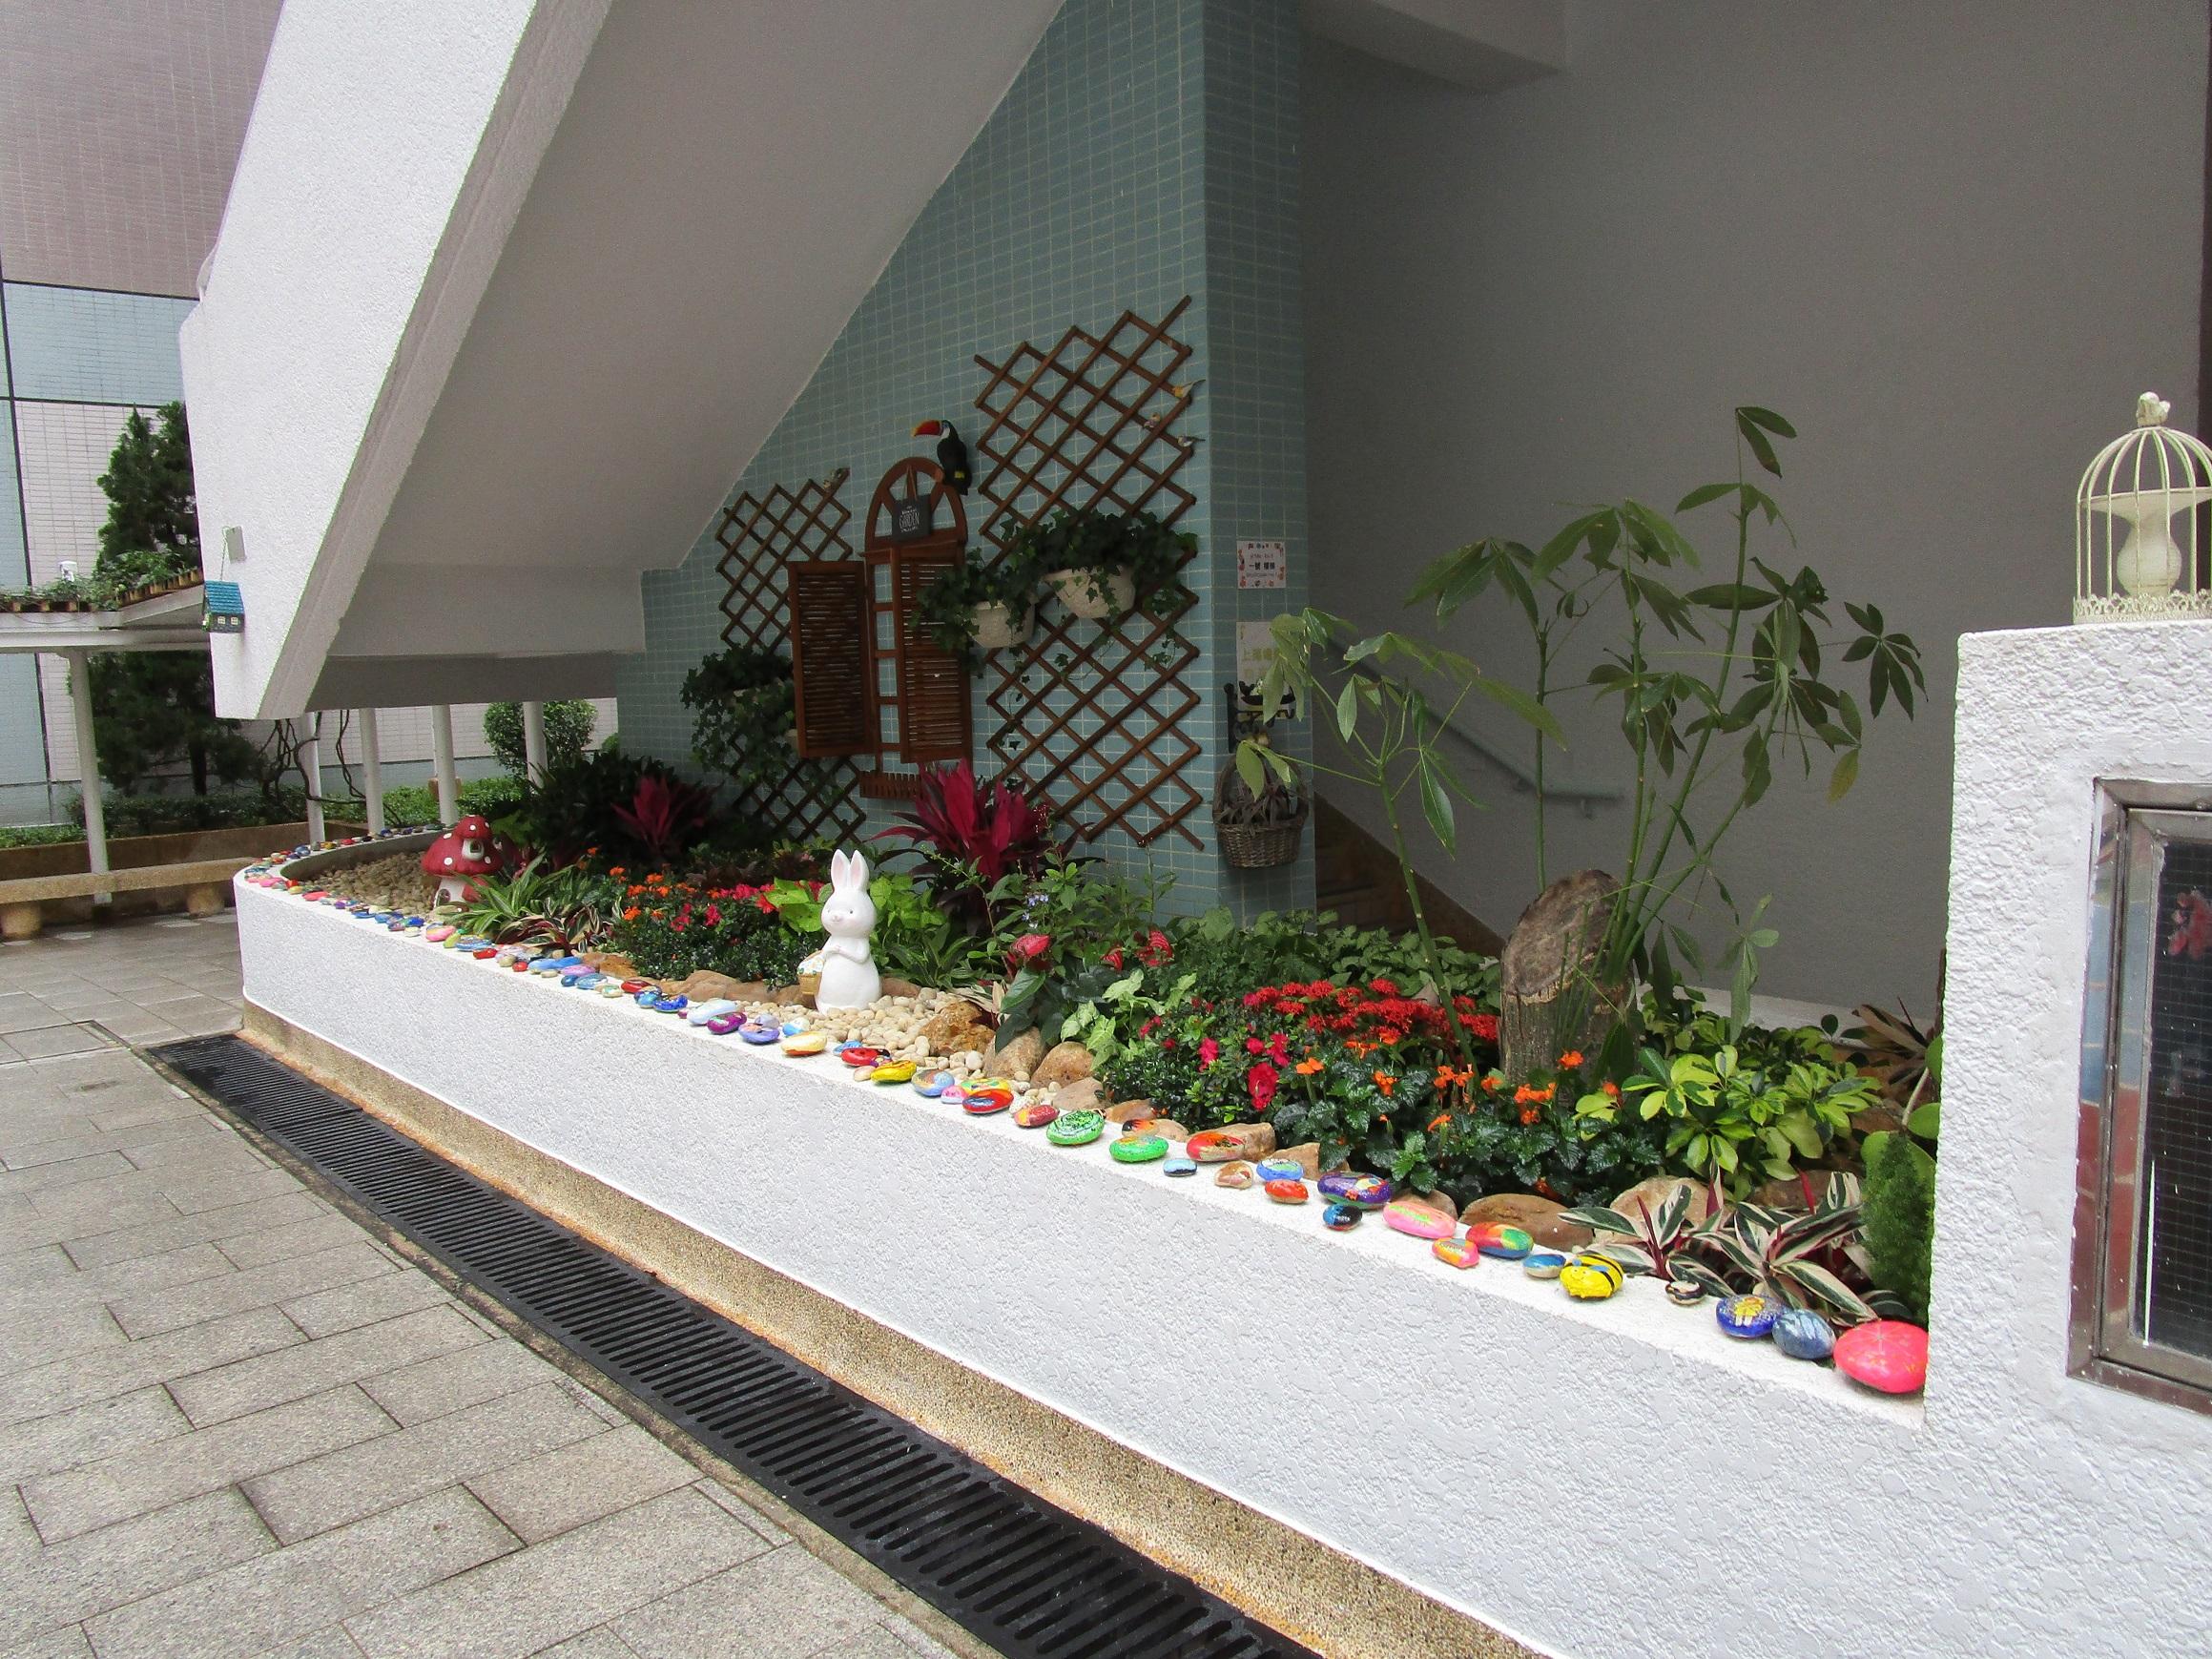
<point x="1888" y="1355"/>
<point x="1404" y="1215"/>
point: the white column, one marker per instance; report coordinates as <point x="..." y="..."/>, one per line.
<point x="442" y="755"/>
<point x="533" y="742"/>
<point x="311" y="769"/>
<point x="80" y="702"/>
<point x="372" y="772"/>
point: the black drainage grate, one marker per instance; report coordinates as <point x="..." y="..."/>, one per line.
<point x="1031" y="1580"/>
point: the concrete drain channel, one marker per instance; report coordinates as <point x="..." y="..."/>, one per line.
<point x="1029" y="1579"/>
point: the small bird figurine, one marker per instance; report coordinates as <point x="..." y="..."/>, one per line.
<point x="952" y="455"/>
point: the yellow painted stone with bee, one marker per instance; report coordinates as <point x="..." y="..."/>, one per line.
<point x="1590" y="1279"/>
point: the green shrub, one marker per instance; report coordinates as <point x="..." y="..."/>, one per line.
<point x="1899" y="1217"/>
<point x="39" y="835"/>
<point x="161" y="814"/>
<point x="569" y="725"/>
<point x="408" y="805"/>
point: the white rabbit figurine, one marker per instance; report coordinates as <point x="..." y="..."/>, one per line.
<point x="848" y="965"/>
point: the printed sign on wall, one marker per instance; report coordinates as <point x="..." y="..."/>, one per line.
<point x="1262" y="565"/>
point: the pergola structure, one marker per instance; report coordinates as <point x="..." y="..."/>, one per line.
<point x="171" y="622"/>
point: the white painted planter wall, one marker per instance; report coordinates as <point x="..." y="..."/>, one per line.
<point x="1568" y="1473"/>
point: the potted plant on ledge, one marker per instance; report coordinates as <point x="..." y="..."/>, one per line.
<point x="1100" y="563"/>
<point x="980" y="607"/>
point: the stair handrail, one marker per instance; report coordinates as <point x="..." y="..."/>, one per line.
<point x="1586" y="796"/>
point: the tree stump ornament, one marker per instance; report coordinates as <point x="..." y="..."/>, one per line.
<point x="1548" y="1001"/>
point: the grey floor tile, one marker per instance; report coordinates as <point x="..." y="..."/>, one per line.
<point x="87" y="1433"/>
<point x="202" y="1227"/>
<point x="34" y="1144"/>
<point x="130" y="1562"/>
<point x="457" y="1380"/>
<point x="192" y="1190"/>
<point x="876" y="1642"/>
<point x="277" y="1281"/>
<point x="75" y="1289"/>
<point x="916" y="1640"/>
<point x="67" y="1642"/>
<point x="342" y="1486"/>
<point x="600" y="1642"/>
<point x="787" y="1603"/>
<point x="561" y="1489"/>
<point x="367" y="1302"/>
<point x="153" y="1477"/>
<point x="48" y="1334"/>
<point x="21" y="1011"/>
<point x="61" y="1384"/>
<point x="54" y="1040"/>
<point x="196" y="1157"/>
<point x="745" y="1512"/>
<point x="331" y="1644"/>
<point x="289" y="1594"/>
<point x="66" y="1173"/>
<point x="304" y="1368"/>
<point x="65" y="1223"/>
<point x="560" y="1589"/>
<point x="295" y="1238"/>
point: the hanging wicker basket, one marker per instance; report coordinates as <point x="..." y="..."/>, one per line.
<point x="1260" y="846"/>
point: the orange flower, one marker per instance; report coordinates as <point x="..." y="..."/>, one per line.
<point x="631" y="914"/>
<point x="1447" y="1078"/>
<point x="1530" y="1117"/>
<point x="618" y="871"/>
<point x="1491" y="1084"/>
<point x="1612" y="1088"/>
<point x="1571" y="1060"/>
<point x="1390" y="1034"/>
<point x="1525" y="1095"/>
<point x="1385" y="1082"/>
<point x="1438" y="1122"/>
<point x="1307" y="1066"/>
<point x="1360" y="1049"/>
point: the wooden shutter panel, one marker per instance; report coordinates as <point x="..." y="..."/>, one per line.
<point x="933" y="683"/>
<point x="832" y="676"/>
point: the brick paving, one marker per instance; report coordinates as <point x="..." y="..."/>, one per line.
<point x="233" y="1422"/>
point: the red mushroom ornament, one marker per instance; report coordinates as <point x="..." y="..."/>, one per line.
<point x="466" y="850"/>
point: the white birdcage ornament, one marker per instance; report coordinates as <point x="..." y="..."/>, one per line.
<point x="2128" y="564"/>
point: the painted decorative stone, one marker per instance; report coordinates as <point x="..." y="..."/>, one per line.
<point x="1684" y="1293"/>
<point x="587" y="982"/>
<point x="633" y="986"/>
<point x="890" y="1071"/>
<point x="1280" y="1170"/>
<point x="1005" y="1082"/>
<point x="577" y="970"/>
<point x="1286" y="1191"/>
<point x="1037" y="1114"/>
<point x="803" y="1044"/>
<point x="1455" y="1252"/>
<point x="1749" y="1318"/>
<point x="1177" y="1164"/>
<point x="1541" y="1263"/>
<point x="485" y="954"/>
<point x="1235" y="1175"/>
<point x="954" y="1095"/>
<point x="855" y="1055"/>
<point x="983" y="1102"/>
<point x="1590" y="1279"/>
<point x="722" y="1025"/>
<point x="930" y="1084"/>
<point x="1417" y="1220"/>
<point x="315" y="896"/>
<point x="439" y="934"/>
<point x="670" y="1004"/>
<point x="607" y="988"/>
<point x="1075" y="1128"/>
<point x="1139" y="1149"/>
<point x="1337" y="1217"/>
<point x="1496" y="1238"/>
<point x="714" y="1008"/>
<point x="759" y="1032"/>
<point x="1360" y="1192"/>
<point x="1213" y="1145"/>
<point x="1888" y="1355"/>
<point x="1802" y="1333"/>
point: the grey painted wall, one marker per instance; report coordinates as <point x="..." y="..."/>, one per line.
<point x="1951" y="243"/>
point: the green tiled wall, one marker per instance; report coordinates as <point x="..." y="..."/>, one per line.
<point x="1147" y="152"/>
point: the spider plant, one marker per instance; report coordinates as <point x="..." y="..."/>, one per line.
<point x="567" y="907"/>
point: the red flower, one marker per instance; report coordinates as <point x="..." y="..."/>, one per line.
<point x="1209" y="1051"/>
<point x="1113" y="959"/>
<point x="1253" y="1045"/>
<point x="1279" y="1049"/>
<point x="1382" y="987"/>
<point x="1027" y="949"/>
<point x="1261" y="1079"/>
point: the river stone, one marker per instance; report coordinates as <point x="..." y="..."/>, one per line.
<point x="1035" y="1114"/>
<point x="1158" y="1126"/>
<point x="1175" y="1164"/>
<point x="1543" y="1263"/>
<point x="1280" y="1170"/>
<point x="1308" y="1156"/>
<point x="1253" y="1141"/>
<point x="956" y="1027"/>
<point x="1139" y="1149"/>
<point x="1684" y="1293"/>
<point x="1084" y="1094"/>
<point x="1440" y="1201"/>
<point x="1537" y="1217"/>
<point x="1128" y="1111"/>
<point x="1888" y="1355"/>
<point x="1075" y="1128"/>
<point x="712" y="985"/>
<point x="1065" y="1063"/>
<point x="1017" y="1058"/>
<point x="1341" y="1217"/>
<point x="1802" y="1333"/>
<point x="1211" y="1146"/>
<point x="1235" y="1175"/>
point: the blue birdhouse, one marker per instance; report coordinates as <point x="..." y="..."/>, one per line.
<point x="224" y="609"/>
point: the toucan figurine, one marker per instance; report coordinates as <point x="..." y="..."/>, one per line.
<point x="951" y="453"/>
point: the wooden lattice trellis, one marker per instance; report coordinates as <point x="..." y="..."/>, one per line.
<point x="1092" y="716"/>
<point x="815" y="799"/>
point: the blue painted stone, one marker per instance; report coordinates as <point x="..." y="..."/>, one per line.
<point x="611" y="987"/>
<point x="1749" y="1318"/>
<point x="760" y="1032"/>
<point x="1175" y="1164"/>
<point x="714" y="1008"/>
<point x="1279" y="1170"/>
<point x="1341" y="1217"/>
<point x="1802" y="1333"/>
<point x="932" y="1085"/>
<point x="583" y="982"/>
<point x="670" y="1005"/>
<point x="397" y="926"/>
<point x="648" y="996"/>
<point x="1360" y="1192"/>
<point x="1543" y="1264"/>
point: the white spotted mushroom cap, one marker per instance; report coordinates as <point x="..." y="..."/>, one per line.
<point x="450" y="855"/>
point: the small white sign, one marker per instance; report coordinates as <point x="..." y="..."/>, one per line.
<point x="1255" y="650"/>
<point x="1262" y="565"/>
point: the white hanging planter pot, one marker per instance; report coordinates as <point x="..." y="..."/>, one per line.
<point x="998" y="627"/>
<point x="1087" y="593"/>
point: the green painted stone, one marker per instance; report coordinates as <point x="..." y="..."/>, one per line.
<point x="1076" y="1129"/>
<point x="1138" y="1149"/>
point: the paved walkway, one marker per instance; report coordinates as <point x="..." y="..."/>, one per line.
<point x="233" y="1422"/>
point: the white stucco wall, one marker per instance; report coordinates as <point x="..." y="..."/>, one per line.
<point x="1595" y="1479"/>
<point x="1951" y="243"/>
